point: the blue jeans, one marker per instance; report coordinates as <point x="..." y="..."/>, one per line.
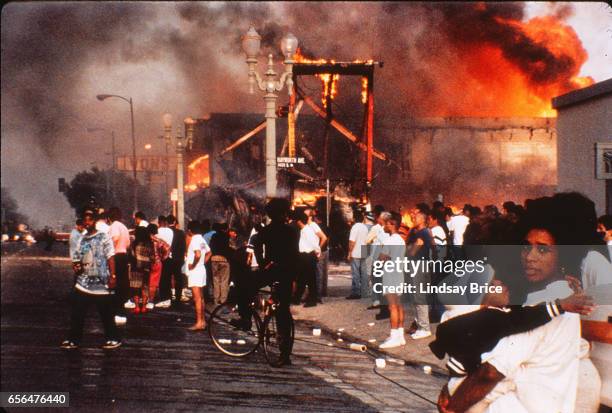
<point x="359" y="277"/>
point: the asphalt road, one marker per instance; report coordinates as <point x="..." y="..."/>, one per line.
<point x="163" y="367"/>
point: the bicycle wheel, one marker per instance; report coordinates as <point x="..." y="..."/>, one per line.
<point x="230" y="338"/>
<point x="272" y="340"/>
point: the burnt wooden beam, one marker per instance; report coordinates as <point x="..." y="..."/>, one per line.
<point x="337" y="68"/>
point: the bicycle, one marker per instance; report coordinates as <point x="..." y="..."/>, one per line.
<point x="235" y="339"/>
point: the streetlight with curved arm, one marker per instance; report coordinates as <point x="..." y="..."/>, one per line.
<point x="102" y="97"/>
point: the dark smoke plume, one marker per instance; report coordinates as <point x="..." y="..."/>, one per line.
<point x="54" y="56"/>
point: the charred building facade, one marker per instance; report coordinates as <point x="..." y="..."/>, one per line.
<point x="463" y="159"/>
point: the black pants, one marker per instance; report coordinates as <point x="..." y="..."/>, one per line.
<point x="122" y="292"/>
<point x="247" y="289"/>
<point x="81" y="303"/>
<point x="171" y="268"/>
<point x="307" y="276"/>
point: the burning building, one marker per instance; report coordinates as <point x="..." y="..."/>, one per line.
<point x="464" y="159"/>
<point x="468" y="117"/>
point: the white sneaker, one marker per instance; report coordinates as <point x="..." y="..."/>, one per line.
<point x="394" y="340"/>
<point x="120" y="321"/>
<point x="129" y="304"/>
<point x="163" y="304"/>
<point x="400" y="334"/>
<point x="420" y="334"/>
<point x="150" y="306"/>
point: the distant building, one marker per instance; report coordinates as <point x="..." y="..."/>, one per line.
<point x="584" y="151"/>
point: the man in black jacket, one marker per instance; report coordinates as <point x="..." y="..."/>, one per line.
<point x="172" y="269"/>
<point x="221" y="257"/>
<point x="277" y="251"/>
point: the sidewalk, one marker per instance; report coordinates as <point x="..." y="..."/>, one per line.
<point x="353" y="323"/>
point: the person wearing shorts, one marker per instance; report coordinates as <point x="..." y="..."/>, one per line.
<point x="394" y="248"/>
<point x="198" y="253"/>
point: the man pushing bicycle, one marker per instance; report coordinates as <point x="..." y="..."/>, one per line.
<point x="276" y="248"/>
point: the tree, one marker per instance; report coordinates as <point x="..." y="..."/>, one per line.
<point x="10" y="215"/>
<point x="105" y="188"/>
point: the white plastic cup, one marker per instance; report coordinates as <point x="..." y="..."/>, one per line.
<point x="316" y="332"/>
<point x="340" y="340"/>
<point x="381" y="363"/>
<point x="372" y="340"/>
<point x="357" y="347"/>
<point x="371" y="324"/>
<point x="396" y="361"/>
<point x="427" y="369"/>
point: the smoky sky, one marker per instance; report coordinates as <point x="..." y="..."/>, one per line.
<point x="186" y="58"/>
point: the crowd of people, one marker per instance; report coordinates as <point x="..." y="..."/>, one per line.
<point x="532" y="352"/>
<point x="121" y="271"/>
<point x="543" y="297"/>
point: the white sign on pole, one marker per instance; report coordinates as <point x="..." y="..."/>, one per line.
<point x="174" y="195"/>
<point x="288" y="161"/>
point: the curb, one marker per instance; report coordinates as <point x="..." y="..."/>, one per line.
<point x="435" y="370"/>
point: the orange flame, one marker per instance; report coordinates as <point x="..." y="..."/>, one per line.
<point x="486" y="82"/>
<point x="329" y="82"/>
<point x="364" y="90"/>
<point x="407" y="219"/>
<point x="198" y="174"/>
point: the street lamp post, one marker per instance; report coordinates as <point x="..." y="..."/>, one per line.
<point x="251" y="44"/>
<point x="135" y="186"/>
<point x="166" y="168"/>
<point x="180" y="161"/>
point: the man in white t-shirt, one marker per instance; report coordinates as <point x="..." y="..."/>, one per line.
<point x="102" y="222"/>
<point x="140" y="219"/>
<point x="438" y="234"/>
<point x="198" y="253"/>
<point x="456" y="226"/>
<point x="357" y="257"/>
<point x="307" y="265"/>
<point x="164" y="232"/>
<point x="376" y="238"/>
<point x="394" y="249"/>
<point x="310" y="213"/>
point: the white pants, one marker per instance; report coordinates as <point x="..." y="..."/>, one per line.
<point x="502" y="399"/>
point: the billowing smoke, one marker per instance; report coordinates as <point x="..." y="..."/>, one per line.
<point x="185" y="58"/>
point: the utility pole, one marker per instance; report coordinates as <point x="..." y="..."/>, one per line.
<point x="114" y="165"/>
